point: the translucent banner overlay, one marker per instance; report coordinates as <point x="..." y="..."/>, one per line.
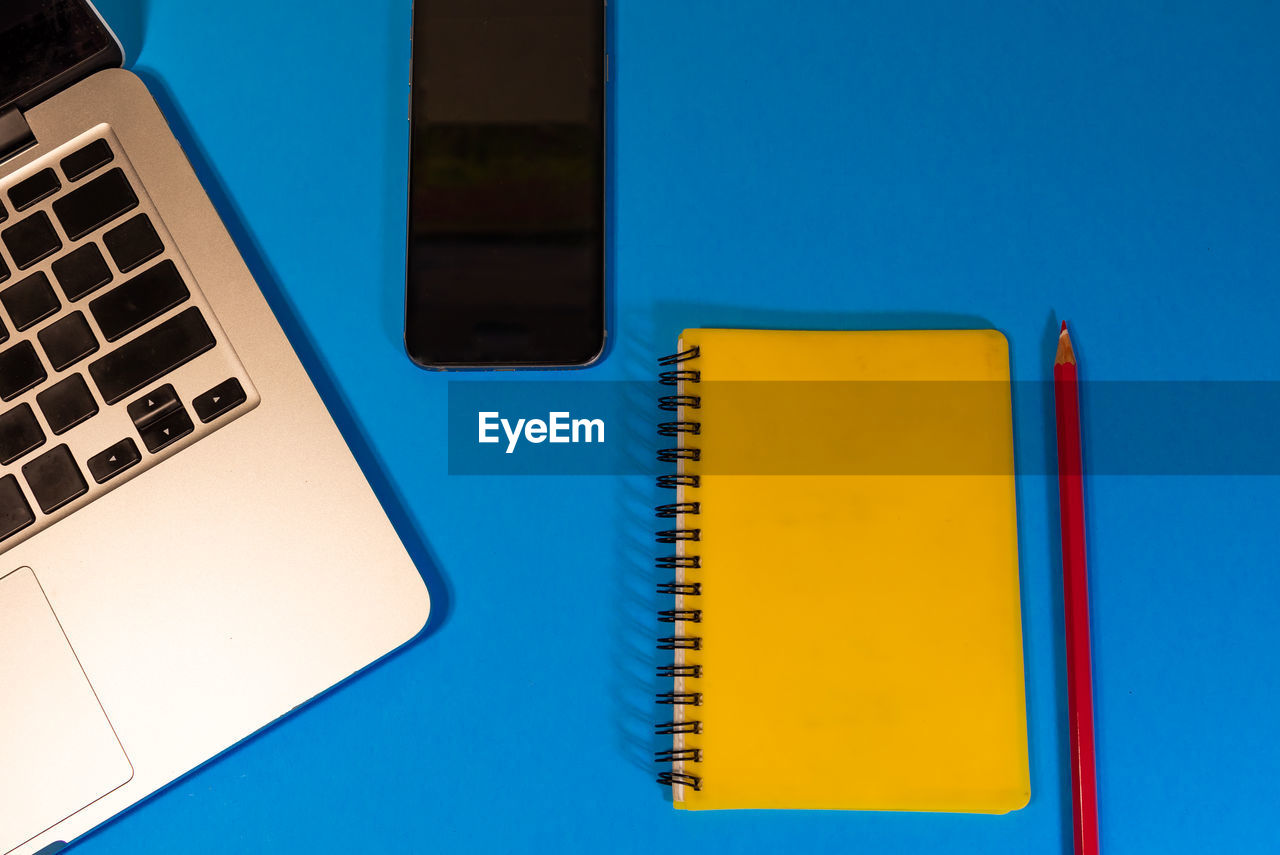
<point x="860" y="428"/>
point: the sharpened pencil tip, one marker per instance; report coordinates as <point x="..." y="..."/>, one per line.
<point x="1066" y="353"/>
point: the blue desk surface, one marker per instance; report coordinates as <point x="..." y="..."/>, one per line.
<point x="825" y="164"/>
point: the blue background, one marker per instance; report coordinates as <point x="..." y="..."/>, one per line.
<point x="828" y="164"/>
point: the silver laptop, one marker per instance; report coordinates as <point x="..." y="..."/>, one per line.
<point x="188" y="550"/>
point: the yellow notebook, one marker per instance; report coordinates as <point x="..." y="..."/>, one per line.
<point x="846" y="625"/>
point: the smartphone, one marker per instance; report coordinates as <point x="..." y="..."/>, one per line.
<point x="506" y="254"/>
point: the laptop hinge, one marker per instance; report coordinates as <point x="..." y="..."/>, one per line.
<point x="15" y="134"/>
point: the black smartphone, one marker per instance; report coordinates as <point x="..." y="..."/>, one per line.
<point x="506" y="255"/>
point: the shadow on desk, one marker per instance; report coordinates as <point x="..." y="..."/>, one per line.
<point x="366" y="455"/>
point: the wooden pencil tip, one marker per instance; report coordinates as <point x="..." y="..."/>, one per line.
<point x="1066" y="354"/>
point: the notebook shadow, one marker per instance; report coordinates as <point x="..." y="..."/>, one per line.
<point x="1048" y="345"/>
<point x="371" y="463"/>
<point x="634" y="682"/>
<point x="128" y="20"/>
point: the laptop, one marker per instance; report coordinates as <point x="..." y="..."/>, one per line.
<point x="188" y="550"/>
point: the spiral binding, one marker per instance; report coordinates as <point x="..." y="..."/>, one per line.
<point x="683" y="615"/>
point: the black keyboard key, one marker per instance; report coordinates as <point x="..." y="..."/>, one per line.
<point x="160" y="418"/>
<point x="20" y="433"/>
<point x="67" y="403"/>
<point x="151" y="355"/>
<point x="15" y="513"/>
<point x="134" y="243"/>
<point x="86" y="160"/>
<point x="139" y="301"/>
<point x="95" y="204"/>
<point x="40" y="186"/>
<point x="68" y="340"/>
<point x="154" y="406"/>
<point x="30" y="301"/>
<point x="110" y="463"/>
<point x="161" y="434"/>
<point x="32" y="240"/>
<point x="20" y="370"/>
<point x="4" y="215"/>
<point x="82" y="271"/>
<point x="221" y="399"/>
<point x="55" y="479"/>
<point x="4" y="270"/>
<point x="4" y="333"/>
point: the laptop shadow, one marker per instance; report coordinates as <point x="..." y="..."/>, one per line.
<point x="366" y="455"/>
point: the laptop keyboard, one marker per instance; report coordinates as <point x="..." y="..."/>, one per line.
<point x="110" y="358"/>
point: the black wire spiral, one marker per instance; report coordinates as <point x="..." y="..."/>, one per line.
<point x="683" y="588"/>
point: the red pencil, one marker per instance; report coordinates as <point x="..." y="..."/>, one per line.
<point x="1075" y="599"/>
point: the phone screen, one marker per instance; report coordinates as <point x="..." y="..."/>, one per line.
<point x="42" y="39"/>
<point x="506" y="232"/>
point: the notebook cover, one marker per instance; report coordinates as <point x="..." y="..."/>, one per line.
<point x="860" y="640"/>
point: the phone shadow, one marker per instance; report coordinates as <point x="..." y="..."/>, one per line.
<point x="371" y="463"/>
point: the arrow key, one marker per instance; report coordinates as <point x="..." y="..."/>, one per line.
<point x="162" y="433"/>
<point x="110" y="463"/>
<point x="154" y="406"/>
<point x="219" y="400"/>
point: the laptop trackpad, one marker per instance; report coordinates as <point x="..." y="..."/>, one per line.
<point x="58" y="752"/>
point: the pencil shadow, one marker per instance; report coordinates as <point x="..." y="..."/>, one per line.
<point x="371" y="463"/>
<point x="128" y="20"/>
<point x="1058" y="630"/>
